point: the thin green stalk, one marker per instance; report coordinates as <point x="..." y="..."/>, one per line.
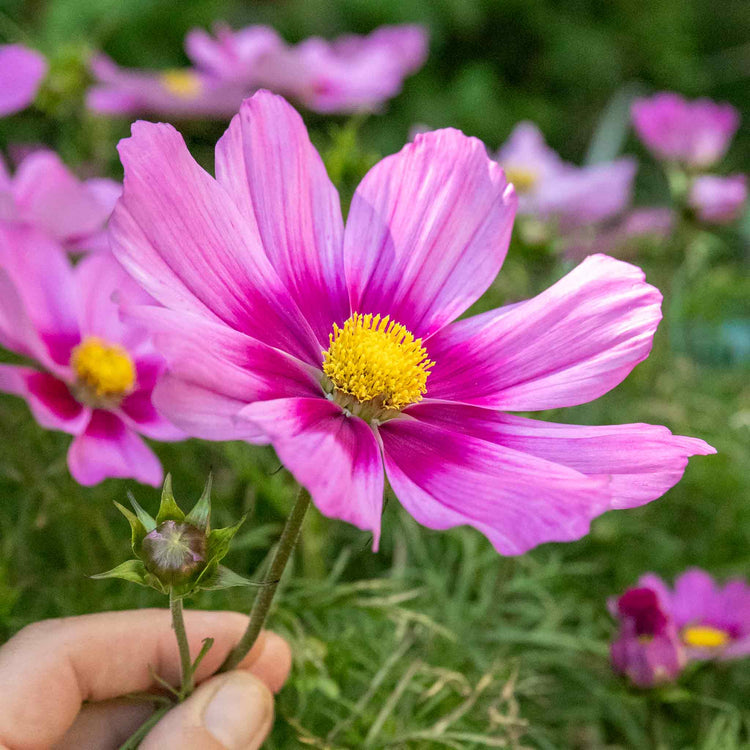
<point x="265" y="595"/>
<point x="132" y="742"/>
<point x="178" y="625"/>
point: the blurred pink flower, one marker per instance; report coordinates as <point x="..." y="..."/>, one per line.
<point x="21" y="73"/>
<point x="713" y="621"/>
<point x="647" y="648"/>
<point x="696" y="133"/>
<point x="718" y="200"/>
<point x="340" y="344"/>
<point x="349" y="74"/>
<point x="552" y="190"/>
<point x="45" y="194"/>
<point x="93" y="374"/>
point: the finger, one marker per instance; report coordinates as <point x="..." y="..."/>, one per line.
<point x="233" y="711"/>
<point x="49" y="668"/>
<point x="104" y="725"/>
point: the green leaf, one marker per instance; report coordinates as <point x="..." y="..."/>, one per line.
<point x="168" y="509"/>
<point x="200" y="515"/>
<point x="130" y="570"/>
<point x="219" y="541"/>
<point x="224" y="578"/>
<point x="145" y="518"/>
<point x="205" y="648"/>
<point x="137" y="529"/>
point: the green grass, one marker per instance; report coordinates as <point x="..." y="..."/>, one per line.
<point x="435" y="641"/>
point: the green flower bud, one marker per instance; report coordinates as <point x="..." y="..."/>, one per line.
<point x="173" y="551"/>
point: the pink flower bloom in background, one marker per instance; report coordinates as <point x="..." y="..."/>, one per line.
<point x="93" y="374"/>
<point x="349" y="74"/>
<point x="339" y="344"/>
<point x="713" y="621"/>
<point x="45" y="194"/>
<point x="647" y="649"/>
<point x="696" y="133"/>
<point x="718" y="200"/>
<point x="22" y="71"/>
<point x="178" y="93"/>
<point x="552" y="190"/>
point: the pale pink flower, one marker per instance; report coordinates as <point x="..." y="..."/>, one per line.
<point x="718" y="200"/>
<point x="22" y="71"/>
<point x="696" y="133"/>
<point x="266" y="326"/>
<point x="93" y="375"/>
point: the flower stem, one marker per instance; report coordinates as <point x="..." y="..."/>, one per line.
<point x="265" y="595"/>
<point x="178" y="625"/>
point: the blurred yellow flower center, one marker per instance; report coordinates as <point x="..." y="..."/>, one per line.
<point x="523" y="179"/>
<point x="704" y="636"/>
<point x="182" y="83"/>
<point x="103" y="371"/>
<point x="375" y="359"/>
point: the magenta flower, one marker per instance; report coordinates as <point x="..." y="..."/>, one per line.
<point x="553" y="190"/>
<point x="45" y="194"/>
<point x="178" y="93"/>
<point x="713" y="621"/>
<point x="647" y="648"/>
<point x="718" y="200"/>
<point x="338" y="344"/>
<point x="696" y="133"/>
<point x="94" y="375"/>
<point x="21" y="73"/>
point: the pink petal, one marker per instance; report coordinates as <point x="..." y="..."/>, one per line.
<point x="569" y="345"/>
<point x="446" y="479"/>
<point x="21" y="74"/>
<point x="51" y="197"/>
<point x="428" y="231"/>
<point x="641" y="461"/>
<point x="334" y="456"/>
<point x="181" y="237"/>
<point x="694" y="597"/>
<point x="109" y="449"/>
<point x="266" y="162"/>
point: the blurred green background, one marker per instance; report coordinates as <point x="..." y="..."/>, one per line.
<point x="436" y="641"/>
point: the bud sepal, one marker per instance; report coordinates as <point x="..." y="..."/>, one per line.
<point x="175" y="553"/>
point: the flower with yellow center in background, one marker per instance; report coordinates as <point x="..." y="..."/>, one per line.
<point x="105" y="373"/>
<point x="183" y="83"/>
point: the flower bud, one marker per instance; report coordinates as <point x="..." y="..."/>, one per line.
<point x="173" y="551"/>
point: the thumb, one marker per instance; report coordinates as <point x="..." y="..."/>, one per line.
<point x="233" y="711"/>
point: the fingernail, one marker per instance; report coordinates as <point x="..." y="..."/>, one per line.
<point x="239" y="713"/>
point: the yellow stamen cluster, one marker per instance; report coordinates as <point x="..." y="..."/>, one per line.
<point x="704" y="636"/>
<point x="523" y="179"/>
<point x="103" y="370"/>
<point x="373" y="358"/>
<point x="182" y="83"/>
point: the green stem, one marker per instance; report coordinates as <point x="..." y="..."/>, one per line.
<point x="178" y="625"/>
<point x="264" y="598"/>
<point x="132" y="742"/>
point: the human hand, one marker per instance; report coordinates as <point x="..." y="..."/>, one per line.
<point x="62" y="683"/>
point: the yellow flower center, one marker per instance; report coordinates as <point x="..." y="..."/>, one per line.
<point x="523" y="179"/>
<point x="704" y="636"/>
<point x="376" y="360"/>
<point x="104" y="372"/>
<point x="182" y="83"/>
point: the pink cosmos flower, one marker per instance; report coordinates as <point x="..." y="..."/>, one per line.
<point x="45" y="194"/>
<point x="340" y="344"/>
<point x="647" y="648"/>
<point x="696" y="133"/>
<point x="93" y="375"/>
<point x="713" y="621"/>
<point x="21" y="73"/>
<point x="553" y="190"/>
<point x="178" y="93"/>
<point x="718" y="200"/>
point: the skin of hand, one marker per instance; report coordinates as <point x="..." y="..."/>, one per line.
<point x="62" y="683"/>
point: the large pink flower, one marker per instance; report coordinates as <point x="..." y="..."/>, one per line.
<point x="696" y="133"/>
<point x="267" y="330"/>
<point x="21" y="73"/>
<point x="93" y="374"/>
<point x="45" y="194"/>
